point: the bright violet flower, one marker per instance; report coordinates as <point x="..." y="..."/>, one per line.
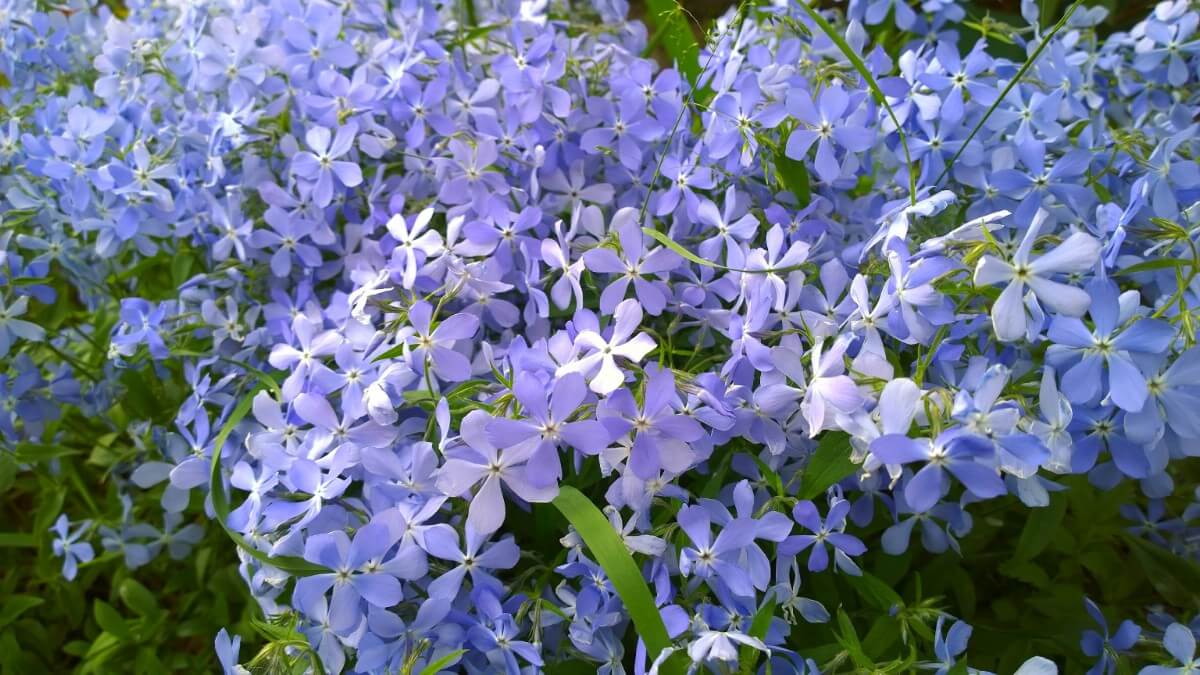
<point x="714" y="560"/>
<point x="828" y="531"/>
<point x="632" y="265"/>
<point x="435" y="347"/>
<point x="1108" y="346"/>
<point x="546" y="426"/>
<point x="1077" y="253"/>
<point x="322" y="165"/>
<point x="660" y="435"/>
<point x="600" y="363"/>
<point x="479" y="462"/>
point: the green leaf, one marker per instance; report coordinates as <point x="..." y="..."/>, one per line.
<point x="138" y="598"/>
<point x="759" y="625"/>
<point x="110" y="620"/>
<point x="1007" y="88"/>
<point x="865" y="73"/>
<point x="1027" y="571"/>
<point x="17" y="540"/>
<point x="1040" y="528"/>
<point x="679" y="250"/>
<point x="1153" y="265"/>
<point x="181" y="267"/>
<point x="769" y="475"/>
<point x="441" y="664"/>
<point x="875" y="591"/>
<point x="794" y="176"/>
<point x="610" y="553"/>
<point x="692" y="257"/>
<point x="220" y="501"/>
<point x="15" y="606"/>
<point x="830" y="463"/>
<point x="32" y="453"/>
<point x="1175" y="578"/>
<point x="674" y="32"/>
<point x="713" y="485"/>
<point x="883" y="634"/>
<point x="847" y="637"/>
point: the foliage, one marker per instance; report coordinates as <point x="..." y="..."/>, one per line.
<point x="853" y="339"/>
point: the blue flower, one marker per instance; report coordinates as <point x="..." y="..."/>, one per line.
<point x="68" y="545"/>
<point x="1106" y="347"/>
<point x="1103" y="647"/>
<point x="1180" y="642"/>
<point x="1076" y="254"/>
<point x="828" y="531"/>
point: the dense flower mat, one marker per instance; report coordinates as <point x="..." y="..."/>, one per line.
<point x="490" y="345"/>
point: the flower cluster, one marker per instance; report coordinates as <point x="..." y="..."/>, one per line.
<point x="406" y="270"/>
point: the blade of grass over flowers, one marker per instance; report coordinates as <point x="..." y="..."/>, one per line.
<point x="691" y="97"/>
<point x="692" y="257"/>
<point x="759" y="625"/>
<point x="610" y="553"/>
<point x="441" y="664"/>
<point x="1009" y="87"/>
<point x="220" y="501"/>
<point x="861" y="67"/>
<point x="674" y="33"/>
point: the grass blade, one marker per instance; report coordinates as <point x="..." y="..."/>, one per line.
<point x="759" y="625"/>
<point x="610" y="553"/>
<point x="692" y="257"/>
<point x="674" y="33"/>
<point x="441" y="664"/>
<point x="1009" y="87"/>
<point x="220" y="501"/>
<point x="856" y="61"/>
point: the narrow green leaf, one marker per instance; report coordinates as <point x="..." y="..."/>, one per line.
<point x="848" y="638"/>
<point x="884" y="632"/>
<point x="32" y="453"/>
<point x="1174" y="577"/>
<point x="769" y="475"/>
<point x="181" y="267"/>
<point x="610" y="553"/>
<point x="830" y="463"/>
<point x="1153" y="265"/>
<point x="713" y="485"/>
<point x="1040" y="528"/>
<point x="392" y="353"/>
<point x="865" y="73"/>
<point x="469" y="9"/>
<point x="15" y="606"/>
<point x="679" y="250"/>
<point x="17" y="540"/>
<point x="874" y="591"/>
<point x="441" y="664"/>
<point x="794" y="176"/>
<point x="138" y="598"/>
<point x="110" y="620"/>
<point x="290" y="564"/>
<point x="692" y="257"/>
<point x="759" y="625"/>
<point x="1007" y="88"/>
<point x="674" y="33"/>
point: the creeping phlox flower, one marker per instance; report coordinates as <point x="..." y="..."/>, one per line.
<point x="396" y="282"/>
